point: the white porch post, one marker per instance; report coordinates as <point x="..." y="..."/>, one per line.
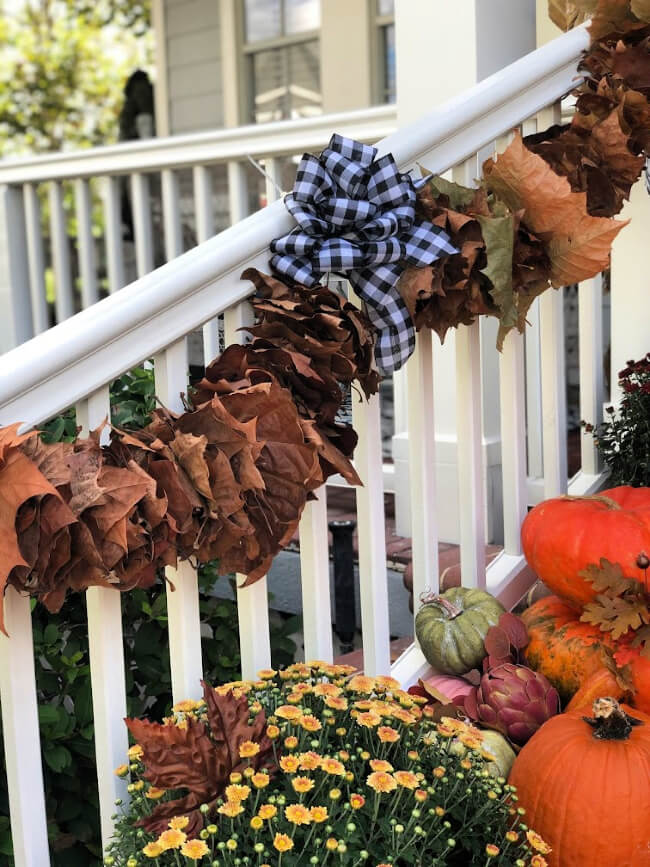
<point x="472" y="40"/>
<point x="15" y="301"/>
<point x="630" y="287"/>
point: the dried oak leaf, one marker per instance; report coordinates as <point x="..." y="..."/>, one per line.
<point x="198" y="758"/>
<point x="567" y="14"/>
<point x="578" y="245"/>
<point x="20" y="481"/>
<point x="334" y="335"/>
<point x="613" y="18"/>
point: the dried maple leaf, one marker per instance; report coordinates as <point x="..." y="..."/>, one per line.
<point x="613" y="18"/>
<point x="566" y="14"/>
<point x="199" y="757"/>
<point x="578" y="245"/>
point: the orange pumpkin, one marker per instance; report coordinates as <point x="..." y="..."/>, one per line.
<point x="566" y="651"/>
<point x="639" y="673"/>
<point x="586" y="788"/>
<point x="562" y="536"/>
<point x="598" y="685"/>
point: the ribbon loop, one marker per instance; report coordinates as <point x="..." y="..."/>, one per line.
<point x="356" y="217"/>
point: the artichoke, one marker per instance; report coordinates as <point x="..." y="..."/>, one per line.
<point x="514" y="700"/>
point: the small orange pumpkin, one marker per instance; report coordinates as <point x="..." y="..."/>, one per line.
<point x="563" y="536"/>
<point x="562" y="648"/>
<point x="598" y="685"/>
<point x="585" y="786"/>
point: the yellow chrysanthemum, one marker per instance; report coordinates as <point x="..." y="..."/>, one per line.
<point x="186" y="706"/>
<point x="385" y="683"/>
<point x="470" y="741"/>
<point x="289" y="712"/>
<point x="420" y="795"/>
<point x="302" y="784"/>
<point x="267" y="811"/>
<point x="121" y="770"/>
<point x="538" y="861"/>
<point x="260" y="781"/>
<point x="237" y="793"/>
<point x="369" y="719"/>
<point x="364" y="704"/>
<point x="272" y="732"/>
<point x="491" y="850"/>
<point x="403" y="715"/>
<point x="357" y="801"/>
<point x="303" y="687"/>
<point x="266" y="674"/>
<point x="297" y="814"/>
<point x="282" y="843"/>
<point x="194" y="849"/>
<point x="231" y="809"/>
<point x="256" y="823"/>
<point x="333" y="766"/>
<point x="309" y="761"/>
<point x="336" y="702"/>
<point x="406" y="779"/>
<point x="363" y="684"/>
<point x="537" y="843"/>
<point x="152" y="850"/>
<point x="153" y="793"/>
<point x="291" y="742"/>
<point x="439" y="772"/>
<point x="329" y="689"/>
<point x="381" y="782"/>
<point x="310" y="723"/>
<point x="294" y="697"/>
<point x="248" y="749"/>
<point x="319" y="814"/>
<point x="380" y="765"/>
<point x="512" y="836"/>
<point x="331" y="844"/>
<point x="179" y="823"/>
<point x="135" y="752"/>
<point x="290" y="764"/>
<point x="236" y="777"/>
<point x="171" y="839"/>
<point x="387" y="735"/>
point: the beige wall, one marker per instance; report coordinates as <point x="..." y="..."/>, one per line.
<point x="347" y="61"/>
<point x="546" y="30"/>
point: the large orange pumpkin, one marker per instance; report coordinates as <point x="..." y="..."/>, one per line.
<point x="586" y="795"/>
<point x="562" y="648"/>
<point x="562" y="536"/>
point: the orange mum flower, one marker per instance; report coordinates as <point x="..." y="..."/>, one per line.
<point x="357" y="801"/>
<point x="387" y="735"/>
<point x="154" y="793"/>
<point x="290" y="764"/>
<point x="310" y="723"/>
<point x="152" y="850"/>
<point x="248" y="749"/>
<point x="179" y="823"/>
<point x="538" y="861"/>
<point x="381" y="782"/>
<point x="291" y="742"/>
<point x="302" y="784"/>
<point x="537" y="842"/>
<point x="336" y="702"/>
<point x="194" y="849"/>
<point x="282" y="843"/>
<point x="368" y="720"/>
<point x="319" y="814"/>
<point x="333" y="766"/>
<point x="327" y="689"/>
<point x="297" y="814"/>
<point x="289" y="712"/>
<point x="309" y="761"/>
<point x="406" y="779"/>
<point x="260" y="781"/>
<point x="380" y="765"/>
<point x="267" y="811"/>
<point x="231" y="809"/>
<point x="171" y="839"/>
<point x="237" y="793"/>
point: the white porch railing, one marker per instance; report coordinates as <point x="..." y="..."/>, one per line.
<point x="74" y="363"/>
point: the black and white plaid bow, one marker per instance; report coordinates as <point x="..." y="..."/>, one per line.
<point x="356" y="217"/>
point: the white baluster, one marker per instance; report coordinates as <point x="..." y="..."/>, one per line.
<point x="113" y="233"/>
<point x="252" y="601"/>
<point x="553" y="371"/>
<point x="590" y="313"/>
<point x="237" y="192"/>
<point x="106" y="652"/>
<point x="171" y="214"/>
<point x="470" y="455"/>
<point x="141" y="195"/>
<point x="534" y="425"/>
<point x="424" y="521"/>
<point x="36" y="257"/>
<point x="205" y="229"/>
<point x="21" y="735"/>
<point x="272" y="167"/>
<point x="513" y="439"/>
<point x="184" y="620"/>
<point x="60" y="254"/>
<point x="371" y="529"/>
<point x="15" y="304"/>
<point x="315" y="579"/>
<point x="86" y="243"/>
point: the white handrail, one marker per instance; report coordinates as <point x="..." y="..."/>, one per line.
<point x="258" y="140"/>
<point x="51" y="371"/>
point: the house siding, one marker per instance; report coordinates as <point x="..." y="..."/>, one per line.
<point x="194" y="80"/>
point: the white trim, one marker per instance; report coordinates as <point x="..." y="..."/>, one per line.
<point x="161" y="89"/>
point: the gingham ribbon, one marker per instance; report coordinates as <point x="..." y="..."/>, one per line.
<point x="356" y="217"/>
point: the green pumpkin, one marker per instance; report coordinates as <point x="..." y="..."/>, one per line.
<point x="451" y="628"/>
<point x="504" y="755"/>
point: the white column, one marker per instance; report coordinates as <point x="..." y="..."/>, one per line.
<point x="630" y="286"/>
<point x="493" y="35"/>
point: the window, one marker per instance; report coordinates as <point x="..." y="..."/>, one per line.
<point x="283" y="55"/>
<point x="385" y="19"/>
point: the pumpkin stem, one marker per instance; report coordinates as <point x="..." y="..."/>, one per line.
<point x="611" y="504"/>
<point x="445" y="605"/>
<point x="610" y="722"/>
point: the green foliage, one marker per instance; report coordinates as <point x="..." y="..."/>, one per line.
<point x="64" y="66"/>
<point x="63" y="671"/>
<point x="623" y="439"/>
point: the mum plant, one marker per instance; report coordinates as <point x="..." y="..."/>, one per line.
<point x="312" y="766"/>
